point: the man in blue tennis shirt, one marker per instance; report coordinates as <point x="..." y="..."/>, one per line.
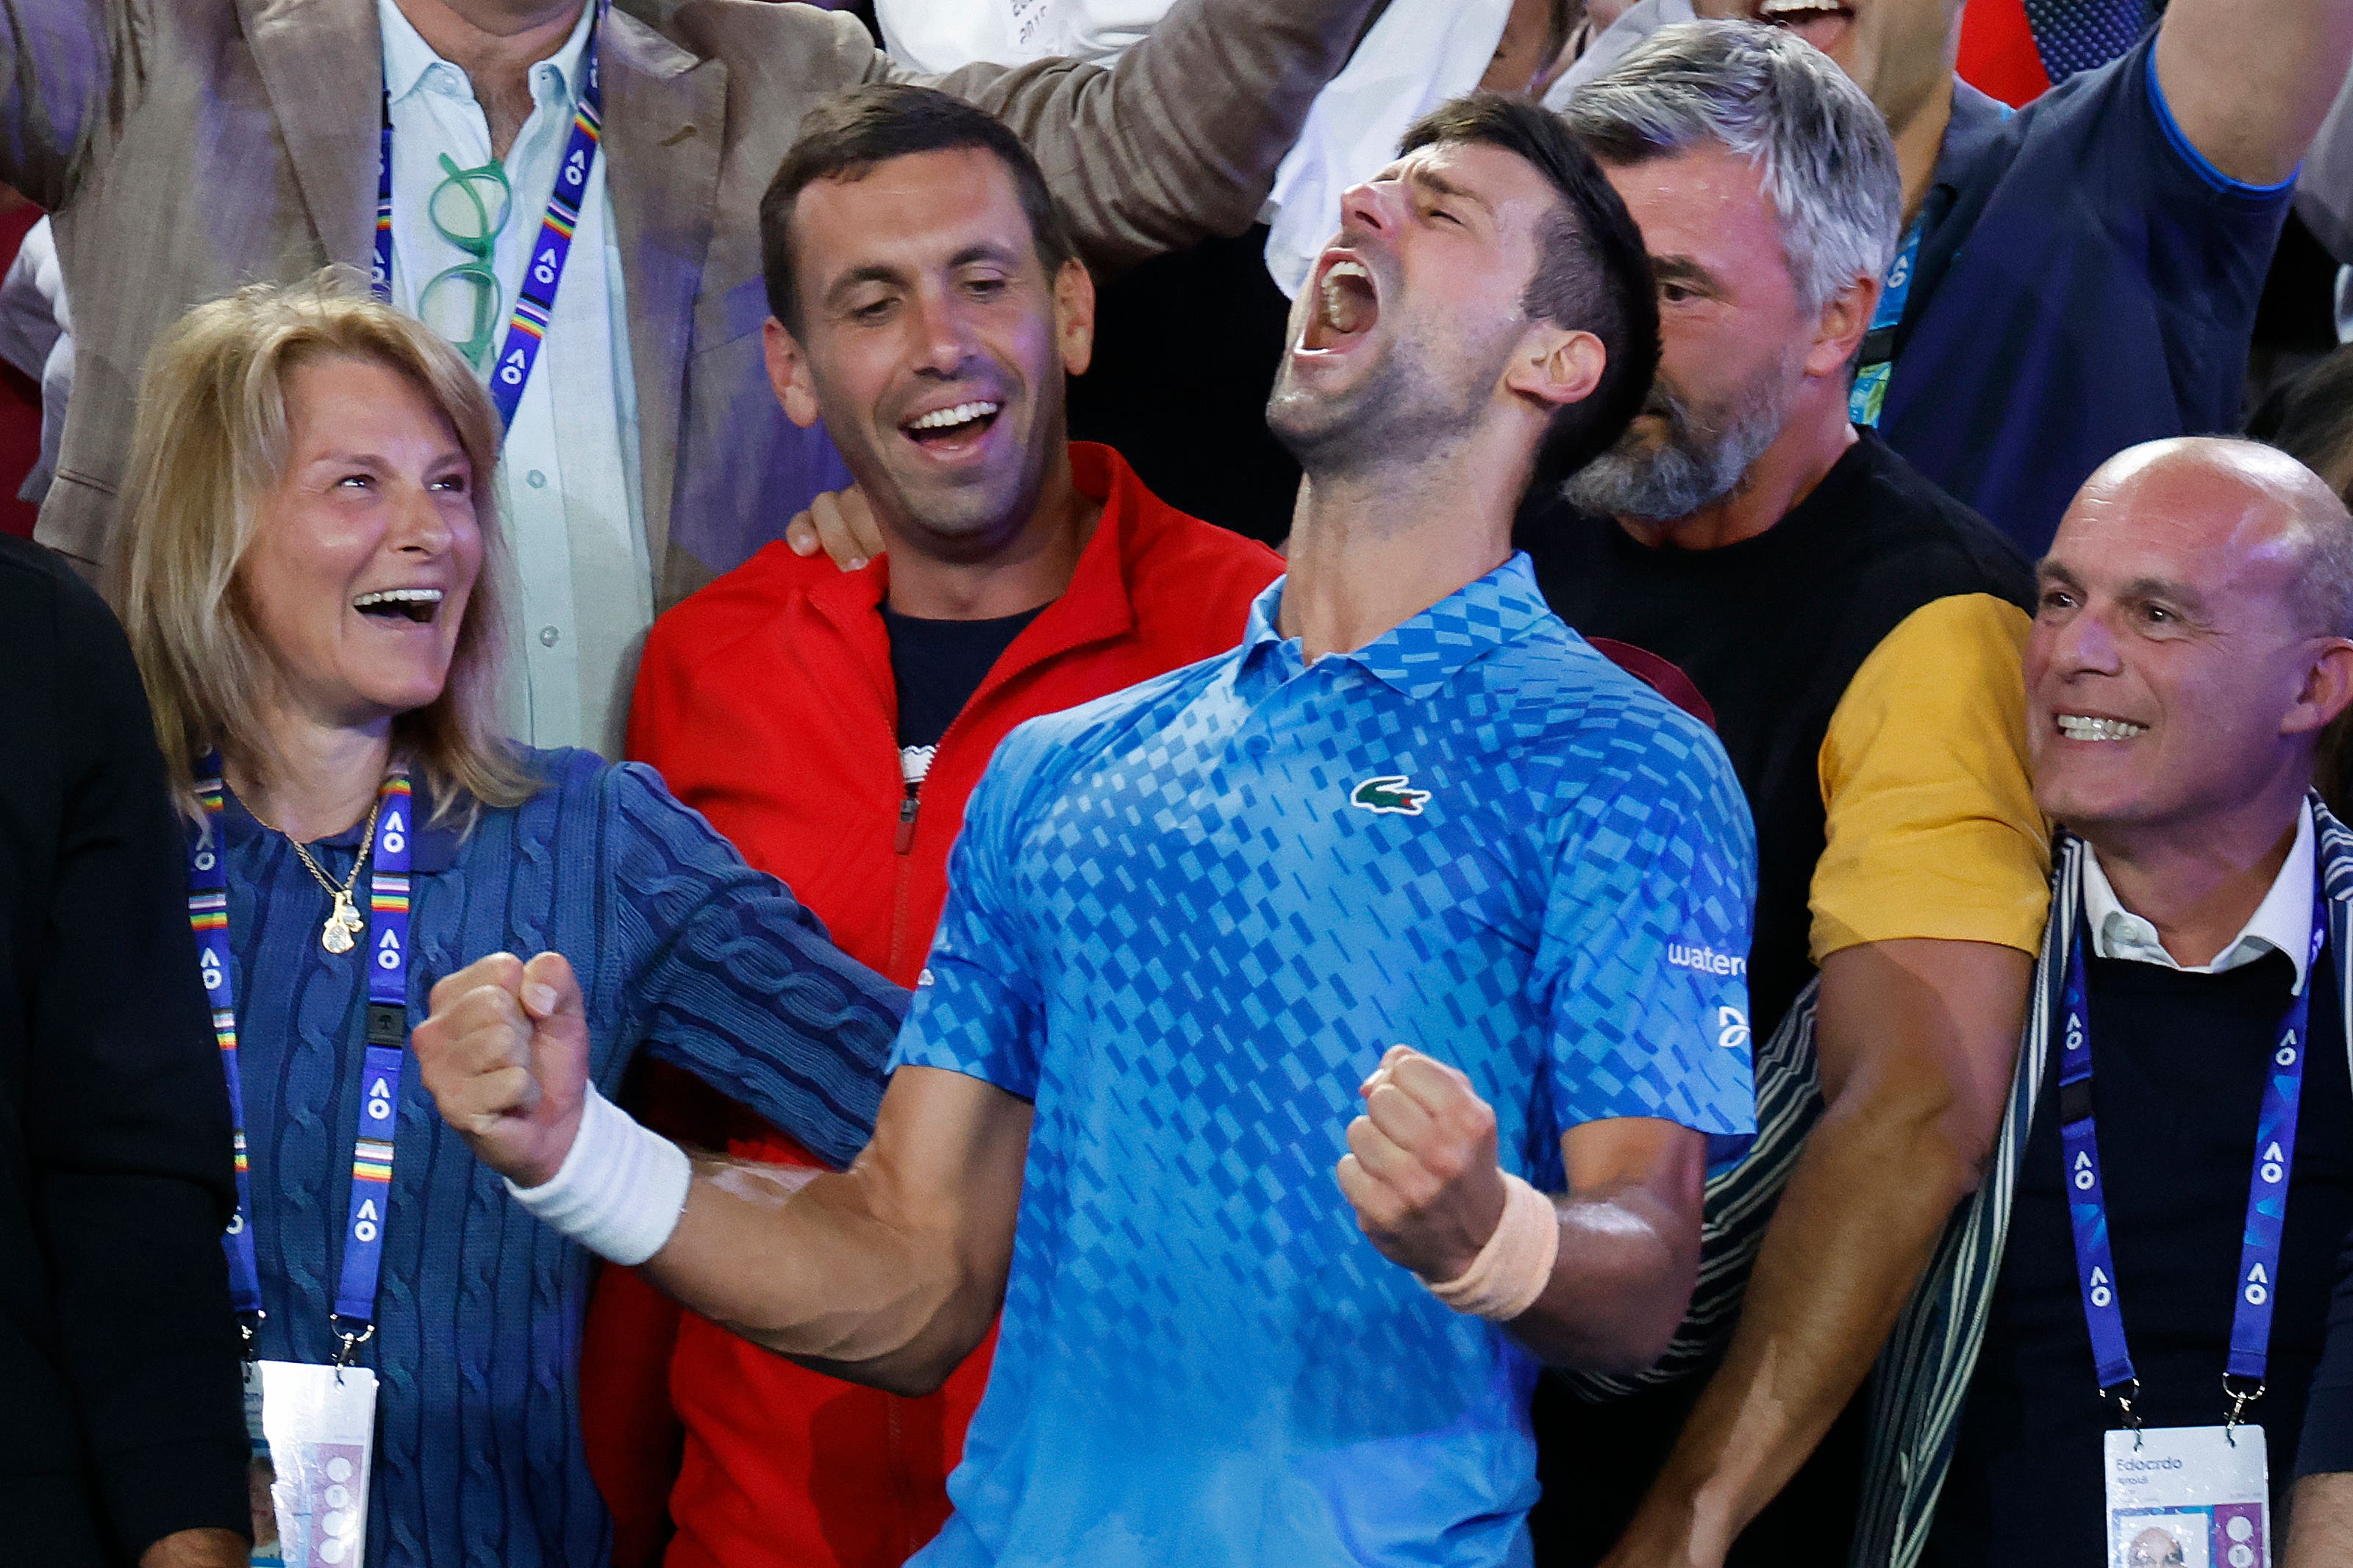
<point x="1413" y="845"/>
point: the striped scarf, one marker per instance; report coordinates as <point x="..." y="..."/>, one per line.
<point x="1923" y="1378"/>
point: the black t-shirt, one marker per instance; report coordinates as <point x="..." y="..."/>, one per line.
<point x="938" y="666"/>
<point x="2178" y="1063"/>
<point x="1772" y="630"/>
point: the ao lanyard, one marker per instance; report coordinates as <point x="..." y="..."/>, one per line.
<point x="1868" y="397"/>
<point x="2259" y="1255"/>
<point x="536" y="301"/>
<point x="387" y="955"/>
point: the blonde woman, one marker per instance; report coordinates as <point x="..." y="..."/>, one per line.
<point x="313" y="582"/>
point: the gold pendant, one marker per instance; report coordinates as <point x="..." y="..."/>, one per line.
<point x="343" y="925"/>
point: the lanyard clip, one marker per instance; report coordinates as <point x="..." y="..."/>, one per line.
<point x="246" y="1324"/>
<point x="350" y="1341"/>
<point x="2123" y="1393"/>
<point x="2242" y="1392"/>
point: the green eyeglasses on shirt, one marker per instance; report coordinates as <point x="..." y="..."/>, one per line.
<point x="470" y="216"/>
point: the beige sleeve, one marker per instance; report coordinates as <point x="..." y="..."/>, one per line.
<point x="1180" y="140"/>
<point x="1931" y="825"/>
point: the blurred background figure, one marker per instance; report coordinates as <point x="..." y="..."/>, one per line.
<point x="121" y="1440"/>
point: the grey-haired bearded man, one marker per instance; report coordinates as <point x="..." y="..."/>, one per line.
<point x="1857" y="632"/>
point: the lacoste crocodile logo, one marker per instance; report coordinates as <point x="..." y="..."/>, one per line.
<point x="1389" y="796"/>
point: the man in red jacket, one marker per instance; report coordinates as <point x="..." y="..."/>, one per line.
<point x="927" y="306"/>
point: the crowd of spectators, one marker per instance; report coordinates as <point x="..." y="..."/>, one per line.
<point x="1178" y="781"/>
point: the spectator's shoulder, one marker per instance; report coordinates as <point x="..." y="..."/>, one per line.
<point x="36" y="582"/>
<point x="1612" y="738"/>
<point x="710" y="621"/>
<point x="1910" y="544"/>
<point x="1041" y="754"/>
<point x="1192" y="583"/>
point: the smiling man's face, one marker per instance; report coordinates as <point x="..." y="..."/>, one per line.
<point x="1898" y="51"/>
<point x="933" y="342"/>
<point x="2165" y="675"/>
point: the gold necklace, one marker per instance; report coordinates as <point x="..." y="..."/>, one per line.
<point x="343" y="923"/>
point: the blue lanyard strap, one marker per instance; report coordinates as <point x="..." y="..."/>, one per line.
<point x="2267" y="1188"/>
<point x="387" y="1028"/>
<point x="1868" y="397"/>
<point x="536" y="301"/>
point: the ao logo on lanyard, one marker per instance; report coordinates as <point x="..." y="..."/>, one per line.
<point x="2200" y="1493"/>
<point x="314" y="1428"/>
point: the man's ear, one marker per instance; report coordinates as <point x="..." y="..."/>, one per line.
<point x="1843" y="324"/>
<point x="1074" y="316"/>
<point x="1558" y="367"/>
<point x="2328" y="689"/>
<point x="789" y="372"/>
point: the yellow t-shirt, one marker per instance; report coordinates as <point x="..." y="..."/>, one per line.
<point x="1932" y="830"/>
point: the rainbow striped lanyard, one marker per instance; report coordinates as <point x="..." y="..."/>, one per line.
<point x="536" y="301"/>
<point x="386" y="956"/>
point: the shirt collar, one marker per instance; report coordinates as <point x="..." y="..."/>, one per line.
<point x="1420" y="655"/>
<point x="1977" y="121"/>
<point x="407" y="57"/>
<point x="2280" y="924"/>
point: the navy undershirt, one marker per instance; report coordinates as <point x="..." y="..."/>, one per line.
<point x="938" y="665"/>
<point x="2178" y="1063"/>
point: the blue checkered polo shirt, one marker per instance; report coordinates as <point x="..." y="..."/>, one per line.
<point x="1184" y="920"/>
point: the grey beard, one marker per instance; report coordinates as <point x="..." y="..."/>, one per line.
<point x="1693" y="467"/>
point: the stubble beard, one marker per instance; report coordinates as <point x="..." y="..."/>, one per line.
<point x="1694" y="464"/>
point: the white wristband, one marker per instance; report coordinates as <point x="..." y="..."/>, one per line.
<point x="1512" y="1269"/>
<point x="619" y="1191"/>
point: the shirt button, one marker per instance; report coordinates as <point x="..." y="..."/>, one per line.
<point x="549" y="636"/>
<point x="1258" y="745"/>
<point x="536" y="480"/>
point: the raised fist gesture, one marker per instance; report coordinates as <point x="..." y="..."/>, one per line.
<point x="1420" y="1167"/>
<point x="505" y="1055"/>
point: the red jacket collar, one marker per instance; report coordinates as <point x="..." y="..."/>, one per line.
<point x="1095" y="607"/>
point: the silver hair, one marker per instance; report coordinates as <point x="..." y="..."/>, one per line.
<point x="1819" y="147"/>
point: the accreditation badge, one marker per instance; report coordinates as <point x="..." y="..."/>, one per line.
<point x="2189" y="1497"/>
<point x="313" y="1434"/>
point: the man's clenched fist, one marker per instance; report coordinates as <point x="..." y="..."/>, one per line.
<point x="1420" y="1166"/>
<point x="505" y="1055"/>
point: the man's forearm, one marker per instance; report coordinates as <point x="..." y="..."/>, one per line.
<point x="800" y="1263"/>
<point x="1622" y="1283"/>
<point x="1181" y="140"/>
<point x="1916" y="1041"/>
<point x="1857" y="1223"/>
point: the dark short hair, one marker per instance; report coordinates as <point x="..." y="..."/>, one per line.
<point x="1592" y="272"/>
<point x="848" y="134"/>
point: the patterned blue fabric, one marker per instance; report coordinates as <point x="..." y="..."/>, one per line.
<point x="686" y="952"/>
<point x="2075" y="36"/>
<point x="1181" y="923"/>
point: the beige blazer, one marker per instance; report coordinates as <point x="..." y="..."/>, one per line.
<point x="190" y="146"/>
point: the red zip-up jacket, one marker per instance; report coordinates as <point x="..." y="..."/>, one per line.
<point x="767" y="703"/>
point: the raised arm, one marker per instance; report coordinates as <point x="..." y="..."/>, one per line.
<point x="59" y="61"/>
<point x="2250" y="81"/>
<point x="1180" y="140"/>
<point x="886" y="1274"/>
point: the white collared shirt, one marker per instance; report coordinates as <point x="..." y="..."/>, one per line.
<point x="568" y="490"/>
<point x="2280" y="924"/>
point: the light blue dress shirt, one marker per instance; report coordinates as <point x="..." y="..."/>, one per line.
<point x="568" y="490"/>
